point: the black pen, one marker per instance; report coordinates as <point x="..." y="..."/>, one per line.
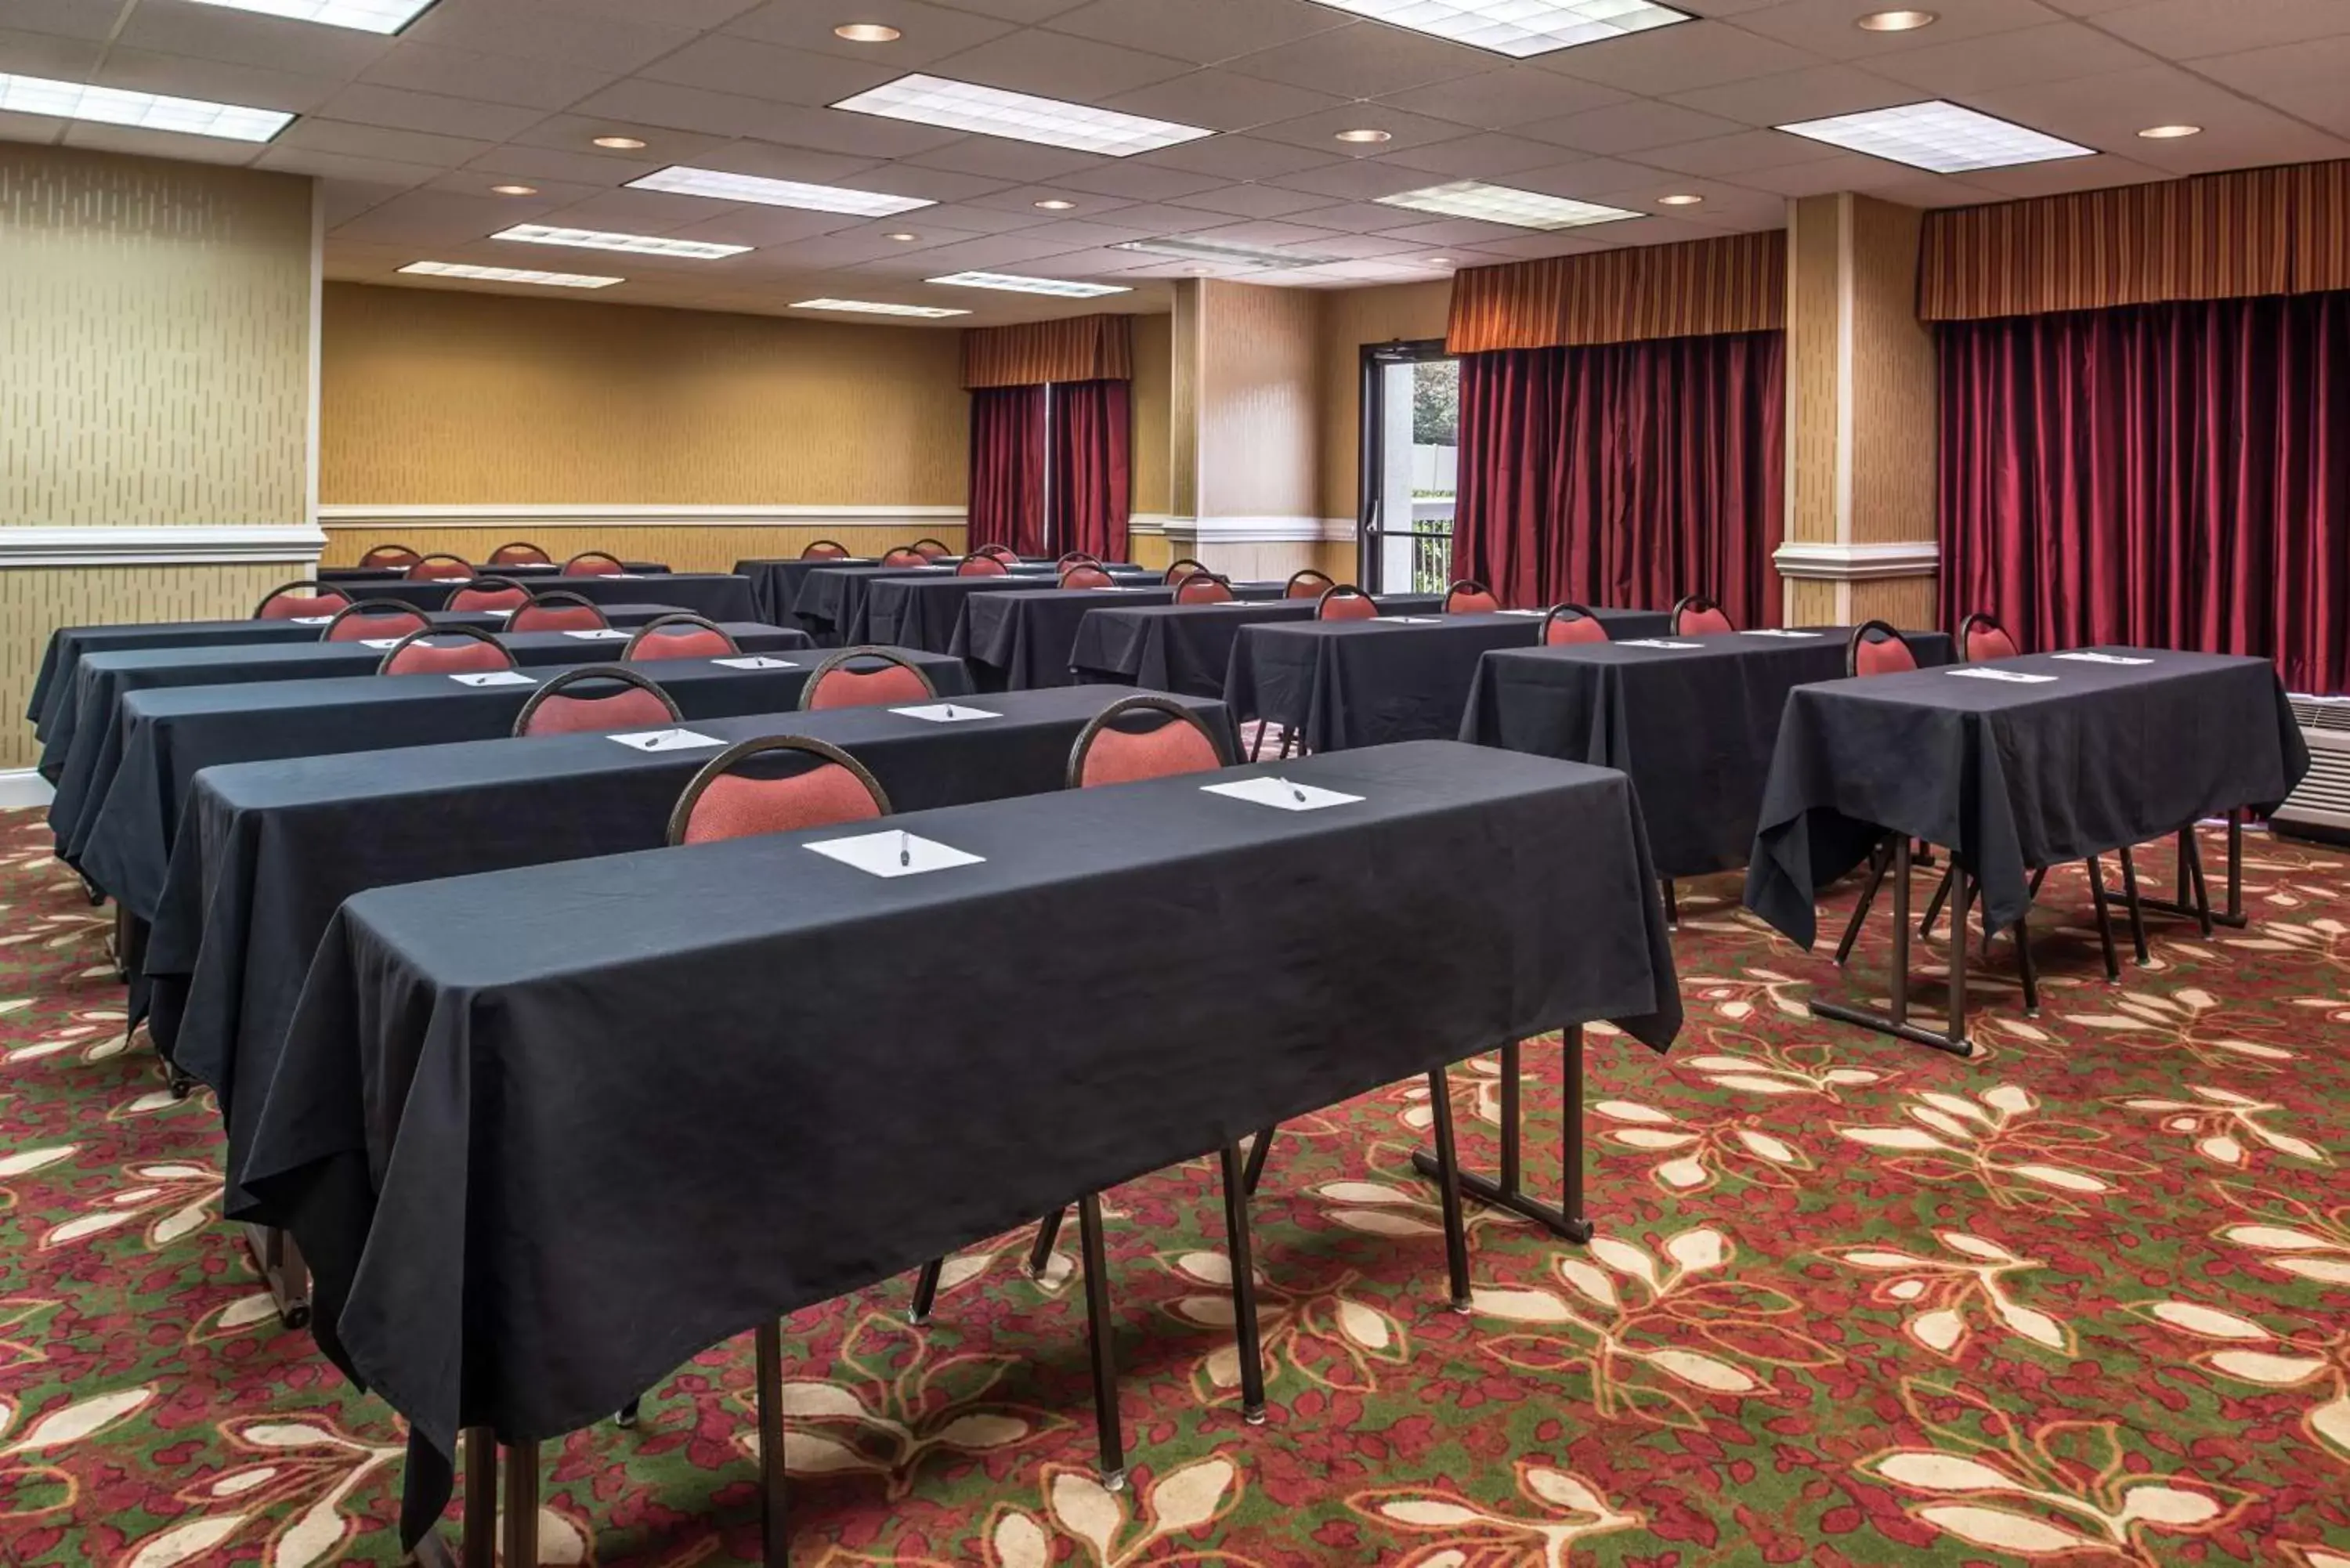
<point x="905" y="852"/>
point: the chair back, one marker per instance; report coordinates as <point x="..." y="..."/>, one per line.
<point x="593" y="563"/>
<point x="680" y="636"/>
<point x="1468" y="597"/>
<point x="1345" y="601"/>
<point x="1003" y="553"/>
<point x="1694" y="615"/>
<point x="1308" y="583"/>
<point x="1981" y="637"/>
<point x="838" y="683"/>
<point x="490" y="594"/>
<point x="905" y="555"/>
<point x="1203" y="588"/>
<point x="439" y="568"/>
<point x="556" y="610"/>
<point x="520" y="553"/>
<point x="1179" y="570"/>
<point x="1876" y="648"/>
<point x="596" y="697"/>
<point x="825" y="550"/>
<point x="389" y="559"/>
<point x="1136" y="738"/>
<point x="777" y="783"/>
<point x="1567" y="625"/>
<point x="1076" y="559"/>
<point x="445" y="650"/>
<point x="372" y="618"/>
<point x="931" y="549"/>
<point x="981" y="566"/>
<point x="290" y="601"/>
<point x="1086" y="574"/>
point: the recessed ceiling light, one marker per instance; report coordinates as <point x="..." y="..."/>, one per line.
<point x="1018" y="116"/>
<point x="619" y="143"/>
<point x="1681" y="200"/>
<point x="602" y="240"/>
<point x="1219" y="250"/>
<point x="1014" y="283"/>
<point x="367" y="16"/>
<point x="724" y="187"/>
<point x="1056" y="205"/>
<point x="1517" y="27"/>
<point x="147" y="110"/>
<point x="515" y="190"/>
<point x="512" y="274"/>
<point x="1440" y="261"/>
<point x="1896" y="21"/>
<point x="1505" y="205"/>
<point x="1200" y="270"/>
<point x="903" y="239"/>
<point x="868" y="33"/>
<point x="1937" y="136"/>
<point x="2170" y="132"/>
<point x="1365" y="134"/>
<point x="875" y="307"/>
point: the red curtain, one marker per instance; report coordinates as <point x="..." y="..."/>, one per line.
<point x="1091" y="434"/>
<point x="2172" y="475"/>
<point x="1625" y="474"/>
<point x="1007" y="468"/>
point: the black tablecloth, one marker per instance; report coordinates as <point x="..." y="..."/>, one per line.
<point x="121" y="836"/>
<point x="719" y="595"/>
<point x="268" y="851"/>
<point x="2011" y="776"/>
<point x="545" y="1134"/>
<point x="523" y="572"/>
<point x="913" y="612"/>
<point x="776" y="584"/>
<point x="1020" y="640"/>
<point x="1695" y="728"/>
<point x="1345" y="683"/>
<point x="1188" y="648"/>
<point x="831" y="598"/>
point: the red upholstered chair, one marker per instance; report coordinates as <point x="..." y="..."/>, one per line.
<point x="1345" y="601"/>
<point x="1203" y="588"/>
<point x="886" y="675"/>
<point x="1468" y="597"/>
<point x="981" y="566"/>
<point x="1086" y="574"/>
<point x="1143" y="738"/>
<point x="439" y="568"/>
<point x="1570" y="624"/>
<point x="556" y="610"/>
<point x="374" y="618"/>
<point x="520" y="553"/>
<point x="905" y="555"/>
<point x="777" y="783"/>
<point x="389" y="559"/>
<point x="1186" y="567"/>
<point x="1697" y="616"/>
<point x="680" y="636"/>
<point x="1982" y="638"/>
<point x="593" y="563"/>
<point x="931" y="549"/>
<point x="596" y="697"/>
<point x="825" y="550"/>
<point x="490" y="594"/>
<point x="290" y="601"/>
<point x="1308" y="583"/>
<point x="446" y="651"/>
<point x="1003" y="553"/>
<point x="1076" y="558"/>
<point x="1876" y="648"/>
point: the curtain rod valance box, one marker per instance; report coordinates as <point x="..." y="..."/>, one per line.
<point x="1695" y="288"/>
<point x="1079" y="348"/>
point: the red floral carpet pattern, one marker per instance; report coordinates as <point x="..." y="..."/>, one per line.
<point x="2085" y="1298"/>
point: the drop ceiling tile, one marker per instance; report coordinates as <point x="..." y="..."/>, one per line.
<point x="476" y="179"/>
<point x="1725" y="206"/>
<point x="1200" y="31"/>
<point x="1816" y="176"/>
<point x="1539" y="247"/>
<point x="2061" y="51"/>
<point x="1021" y="11"/>
<point x="365" y="103"/>
<point x="2186" y="29"/>
<point x="1364" y="180"/>
<point x="242" y="38"/>
<point x="1679" y="58"/>
<point x="1022" y="198"/>
<point x="538" y="31"/>
<point x="1242" y="158"/>
<point x="752" y="225"/>
<point x="1163" y="219"/>
<point x="1252" y="201"/>
<point x="1826" y="28"/>
<point x="1271" y="235"/>
<point x="41" y="128"/>
<point x="379" y="141"/>
<point x="979" y="220"/>
<point x="1362" y="247"/>
<point x="929" y="185"/>
<point x="428" y="217"/>
<point x="1630" y="127"/>
<point x="1054" y="65"/>
<point x="2066" y="175"/>
<point x="1449" y="232"/>
<point x="2273" y="140"/>
<point x="141" y="143"/>
<point x="698" y="15"/>
<point x="344" y="199"/>
<point x="662" y="212"/>
<point x="1497" y="100"/>
<point x="1583" y="178"/>
<point x="1221" y="100"/>
<point x="1355" y="217"/>
<point x="535" y="165"/>
<point x="1810" y="94"/>
<point x="1085" y="265"/>
<point x="575" y="133"/>
<point x="855" y="247"/>
<point x="341" y="166"/>
<point x="768" y="160"/>
<point x="636" y="101"/>
<point x="1319" y="131"/>
<point x="183" y="76"/>
<point x="725" y="63"/>
<point x="2303" y="79"/>
<point x="1729" y="156"/>
<point x="1139" y="181"/>
<point x="931" y="32"/>
<point x="994" y="253"/>
<point x="495" y="78"/>
<point x="1489" y="156"/>
<point x="999" y="158"/>
<point x="52" y="55"/>
<point x="1072" y="235"/>
<point x="2109" y="110"/>
<point x="1364" y="60"/>
<point x="64" y="19"/>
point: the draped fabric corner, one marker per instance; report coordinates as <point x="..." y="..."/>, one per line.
<point x="1736" y="282"/>
<point x="1091" y="434"/>
<point x="1625" y="474"/>
<point x="2173" y="474"/>
<point x="1073" y="349"/>
<point x="1007" y="468"/>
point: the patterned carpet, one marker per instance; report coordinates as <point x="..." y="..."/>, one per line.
<point x="2086" y="1297"/>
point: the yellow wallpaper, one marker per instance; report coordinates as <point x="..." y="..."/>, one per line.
<point x="1815" y="229"/>
<point x="1896" y="392"/>
<point x="1811" y="602"/>
<point x="154" y="341"/>
<point x="434" y="397"/>
<point x="1258" y="386"/>
<point x="1154" y="347"/>
<point x="1183" y="400"/>
<point x="686" y="547"/>
<point x="1904" y="602"/>
<point x="1352" y="317"/>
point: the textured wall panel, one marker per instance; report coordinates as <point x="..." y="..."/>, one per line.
<point x="1811" y="602"/>
<point x="154" y="341"/>
<point x="1895" y="389"/>
<point x="1260" y="387"/>
<point x="1352" y="317"/>
<point x="1153" y="431"/>
<point x="1814" y="367"/>
<point x="684" y="547"/>
<point x="1183" y="401"/>
<point x="1905" y="602"/>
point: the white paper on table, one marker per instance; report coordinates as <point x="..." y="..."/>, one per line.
<point x="1521" y="612"/>
<point x="1984" y="672"/>
<point x="379" y="642"/>
<point x="757" y="661"/>
<point x="601" y="634"/>
<point x="1778" y="631"/>
<point x="622" y="576"/>
<point x="1655" y="642"/>
<point x="1408" y="621"/>
<point x="495" y="678"/>
<point x="2100" y="658"/>
<point x="1281" y="794"/>
<point x="667" y="740"/>
<point x="309" y="619"/>
<point x="895" y="854"/>
<point x="945" y="714"/>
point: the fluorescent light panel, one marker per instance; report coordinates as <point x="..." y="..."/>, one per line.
<point x="1236" y="255"/>
<point x="875" y="307"/>
<point x="723" y="187"/>
<point x="1505" y="205"/>
<point x="147" y="110"/>
<point x="1941" y="137"/>
<point x="1015" y="284"/>
<point x="1017" y="116"/>
<point x="511" y="275"/>
<point x="1517" y="27"/>
<point x="599" y="240"/>
<point x="366" y="16"/>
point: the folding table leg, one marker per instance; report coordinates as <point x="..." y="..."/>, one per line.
<point x="1934" y="903"/>
<point x="1040" y="1250"/>
<point x="2105" y="920"/>
<point x="1237" y="1244"/>
<point x="521" y="1521"/>
<point x="480" y="1515"/>
<point x="2024" y="969"/>
<point x="2191" y="855"/>
<point x="625" y="1416"/>
<point x="1672" y="904"/>
<point x="1896" y="1023"/>
<point x="775" y="1532"/>
<point x="284" y="1270"/>
<point x="2137" y="908"/>
<point x="1959" y="937"/>
<point x="1877" y="862"/>
<point x="1567" y="1219"/>
<point x="1448" y="1182"/>
<point x="1260" y="1150"/>
<point x="926" y="1291"/>
<point x="1108" y="1431"/>
<point x="2193" y="898"/>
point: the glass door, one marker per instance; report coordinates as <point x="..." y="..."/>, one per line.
<point x="1412" y="423"/>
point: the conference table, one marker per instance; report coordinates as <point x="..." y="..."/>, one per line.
<point x="1340" y="683"/>
<point x="743" y="1047"/>
<point x="924" y="612"/>
<point x="776" y="582"/>
<point x="718" y="596"/>
<point x="1188" y="648"/>
<point x="2013" y="765"/>
<point x="1020" y="640"/>
<point x="1693" y="720"/>
<point x="539" y="574"/>
<point x="831" y="602"/>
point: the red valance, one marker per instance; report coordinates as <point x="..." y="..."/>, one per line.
<point x="1734" y="284"/>
<point x="1076" y="348"/>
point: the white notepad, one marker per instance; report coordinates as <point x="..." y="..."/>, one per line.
<point x="945" y="714"/>
<point x="895" y="854"/>
<point x="1983" y="673"/>
<point x="1655" y="642"/>
<point x="379" y="642"/>
<point x="2100" y="658"/>
<point x="1281" y="794"/>
<point x="757" y="661"/>
<point x="1521" y="612"/>
<point x="310" y="620"/>
<point x="1777" y="631"/>
<point x="495" y="678"/>
<point x="601" y="634"/>
<point x="1409" y="621"/>
<point x="667" y="740"/>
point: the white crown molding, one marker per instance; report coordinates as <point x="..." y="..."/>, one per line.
<point x="1274" y="530"/>
<point x="550" y="515"/>
<point x="23" y="787"/>
<point x="1828" y="563"/>
<point x="227" y="544"/>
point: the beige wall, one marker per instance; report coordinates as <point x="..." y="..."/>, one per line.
<point x="1154" y="350"/>
<point x="1352" y="318"/>
<point x="1259" y="380"/>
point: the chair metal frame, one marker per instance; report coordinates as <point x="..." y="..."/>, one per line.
<point x="383" y="665"/>
<point x="556" y="598"/>
<point x="407" y="555"/>
<point x="979" y="564"/>
<point x="923" y="547"/>
<point x="324" y="590"/>
<point x="621" y="567"/>
<point x="1147" y="702"/>
<point x="1987" y="620"/>
<point x="1308" y="574"/>
<point x="537" y="556"/>
<point x="841" y="659"/>
<point x="680" y="816"/>
<point x="628" y="652"/>
<point x="1567" y="614"/>
<point x="364" y="608"/>
<point x="1095" y="567"/>
<point x="1468" y="586"/>
<point x="1075" y="558"/>
<point x="1883" y="631"/>
<point x="1698" y="603"/>
<point x="488" y="585"/>
<point x="1223" y="586"/>
<point x="580" y="676"/>
<point x="1337" y="593"/>
<point x="1005" y="553"/>
<point x="1175" y="572"/>
<point x="895" y="558"/>
<point x="418" y="566"/>
<point x="823" y="549"/>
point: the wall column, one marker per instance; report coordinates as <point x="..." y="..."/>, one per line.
<point x="1245" y="477"/>
<point x="1861" y="417"/>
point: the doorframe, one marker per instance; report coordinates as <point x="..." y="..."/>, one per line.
<point x="1370" y="475"/>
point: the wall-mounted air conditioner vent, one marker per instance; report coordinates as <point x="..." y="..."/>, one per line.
<point x="2320" y="808"/>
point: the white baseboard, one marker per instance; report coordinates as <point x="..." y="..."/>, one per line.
<point x="1832" y="562"/>
<point x="1246" y="530"/>
<point x="551" y="515"/>
<point x="225" y="544"/>
<point x="22" y="787"/>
